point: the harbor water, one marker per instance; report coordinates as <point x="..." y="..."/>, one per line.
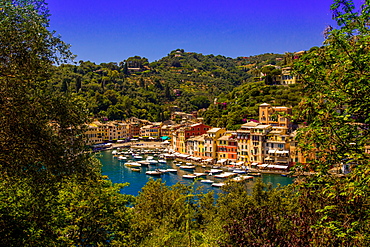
<point x="117" y="172"/>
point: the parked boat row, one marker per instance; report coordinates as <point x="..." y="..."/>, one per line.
<point x="137" y="161"/>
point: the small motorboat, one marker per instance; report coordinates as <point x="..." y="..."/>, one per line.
<point x="225" y="175"/>
<point x="172" y="170"/>
<point x="189" y="176"/>
<point x="122" y="157"/>
<point x="239" y="171"/>
<point x="200" y="174"/>
<point x="154" y="173"/>
<point x="137" y="157"/>
<point x="207" y="181"/>
<point x="133" y="164"/>
<point x="218" y="184"/>
<point x="241" y="178"/>
<point x="151" y="161"/>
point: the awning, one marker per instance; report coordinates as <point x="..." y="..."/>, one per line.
<point x="263" y="165"/>
<point x="254" y="164"/>
<point x="277" y="166"/>
<point x="281" y="167"/>
<point x="240" y="163"/>
<point x="282" y="152"/>
<point x="165" y="137"/>
<point x="182" y="155"/>
<point x="222" y="161"/>
<point x="272" y="151"/>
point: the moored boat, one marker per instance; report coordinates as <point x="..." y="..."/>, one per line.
<point x="172" y="170"/>
<point x="122" y="158"/>
<point x="137" y="157"/>
<point x="239" y="171"/>
<point x="151" y="161"/>
<point x="133" y="164"/>
<point x="214" y="171"/>
<point x="154" y="173"/>
<point x="225" y="175"/>
<point x="241" y="178"/>
<point x="200" y="174"/>
<point x="218" y="184"/>
<point x="207" y="181"/>
<point x="143" y="163"/>
<point x="189" y="176"/>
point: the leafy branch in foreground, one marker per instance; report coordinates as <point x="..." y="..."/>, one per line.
<point x="337" y="113"/>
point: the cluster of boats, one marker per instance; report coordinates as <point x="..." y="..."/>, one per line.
<point x="219" y="174"/>
<point x="135" y="161"/>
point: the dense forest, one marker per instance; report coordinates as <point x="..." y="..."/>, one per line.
<point x="52" y="192"/>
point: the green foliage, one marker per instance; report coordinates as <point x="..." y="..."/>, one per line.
<point x="336" y="111"/>
<point x="188" y="80"/>
<point x="268" y="216"/>
<point x="51" y="190"/>
<point x="240" y="105"/>
<point x="170" y="216"/>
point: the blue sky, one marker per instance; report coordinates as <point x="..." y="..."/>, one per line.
<point x="113" y="30"/>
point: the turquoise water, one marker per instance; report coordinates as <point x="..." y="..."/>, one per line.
<point x="119" y="173"/>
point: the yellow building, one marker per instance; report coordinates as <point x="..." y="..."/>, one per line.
<point x="257" y="139"/>
<point x="95" y="133"/>
<point x="151" y="131"/>
<point x="276" y="148"/>
<point x="287" y="77"/>
<point x="243" y="139"/>
<point x="199" y="146"/>
<point x="179" y="140"/>
<point x="275" y="115"/>
<point x="210" y="142"/>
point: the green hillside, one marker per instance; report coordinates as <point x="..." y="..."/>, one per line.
<point x="186" y="81"/>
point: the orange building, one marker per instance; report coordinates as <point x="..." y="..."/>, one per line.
<point x="227" y="147"/>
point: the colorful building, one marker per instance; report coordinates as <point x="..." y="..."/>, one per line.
<point x="275" y="115"/>
<point x="196" y="130"/>
<point x="277" y="144"/>
<point x="227" y="147"/>
<point x="210" y="142"/>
